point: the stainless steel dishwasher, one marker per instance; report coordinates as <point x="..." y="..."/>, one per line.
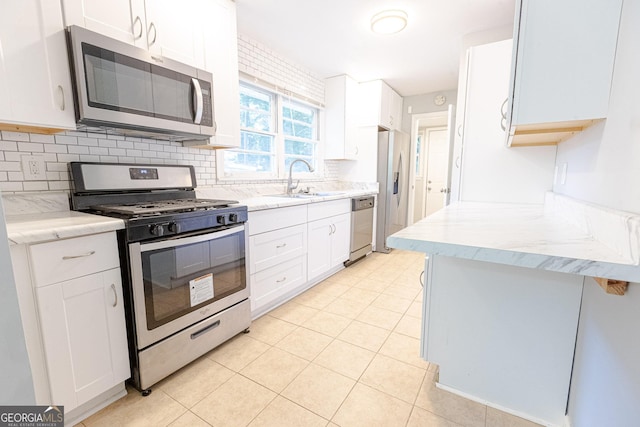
<point x="361" y="228"/>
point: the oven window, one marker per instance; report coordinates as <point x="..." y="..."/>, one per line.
<point x="181" y="279"/>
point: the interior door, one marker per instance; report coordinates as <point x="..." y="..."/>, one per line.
<point x="419" y="180"/>
<point x="437" y="162"/>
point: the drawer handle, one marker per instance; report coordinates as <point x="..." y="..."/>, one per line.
<point x="115" y="295"/>
<point x="281" y="246"/>
<point x="281" y="280"/>
<point x="205" y="330"/>
<point x="66" y="257"/>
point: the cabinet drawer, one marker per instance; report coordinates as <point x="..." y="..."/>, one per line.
<point x="273" y="219"/>
<point x="274" y="247"/>
<point x="327" y="209"/>
<point x="66" y="259"/>
<point x="269" y="285"/>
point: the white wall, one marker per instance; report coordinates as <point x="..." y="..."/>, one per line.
<point x="15" y="373"/>
<point x="604" y="168"/>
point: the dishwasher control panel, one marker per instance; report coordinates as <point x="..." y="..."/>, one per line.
<point x="360" y="203"/>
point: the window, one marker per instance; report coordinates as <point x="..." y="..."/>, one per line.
<point x="274" y="130"/>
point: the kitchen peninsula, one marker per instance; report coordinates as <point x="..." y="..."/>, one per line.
<point x="503" y="290"/>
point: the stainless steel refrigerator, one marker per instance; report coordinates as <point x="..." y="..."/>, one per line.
<point x="393" y="180"/>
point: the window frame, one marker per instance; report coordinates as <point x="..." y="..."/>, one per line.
<point x="280" y="172"/>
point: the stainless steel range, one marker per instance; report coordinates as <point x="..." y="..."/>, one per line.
<point x="182" y="258"/>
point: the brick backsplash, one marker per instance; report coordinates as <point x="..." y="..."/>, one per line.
<point x="96" y="146"/>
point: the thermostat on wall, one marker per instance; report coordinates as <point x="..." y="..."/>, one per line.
<point x="439" y="99"/>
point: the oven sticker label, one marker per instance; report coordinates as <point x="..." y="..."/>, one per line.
<point x="201" y="289"/>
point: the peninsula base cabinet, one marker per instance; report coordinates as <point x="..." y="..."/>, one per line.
<point x="502" y="335"/>
<point x="71" y="303"/>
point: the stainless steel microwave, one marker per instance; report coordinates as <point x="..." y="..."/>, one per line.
<point x="121" y="87"/>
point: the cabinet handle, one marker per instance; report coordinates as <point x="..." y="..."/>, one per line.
<point x="458" y="161"/>
<point x="66" y="257"/>
<point x="281" y="280"/>
<point x="115" y="294"/>
<point x="503" y="113"/>
<point x="356" y="151"/>
<point x="460" y="131"/>
<point x="133" y="28"/>
<point x="422" y="278"/>
<point x="62" y="104"/>
<point x="155" y="34"/>
<point x="281" y="246"/>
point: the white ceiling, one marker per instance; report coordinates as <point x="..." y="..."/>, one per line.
<point x="331" y="37"/>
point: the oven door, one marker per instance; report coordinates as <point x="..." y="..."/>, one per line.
<point x="178" y="282"/>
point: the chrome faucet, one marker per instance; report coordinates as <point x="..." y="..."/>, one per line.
<point x="290" y="185"/>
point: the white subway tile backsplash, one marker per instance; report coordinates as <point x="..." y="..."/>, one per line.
<point x="68" y="158"/>
<point x="117" y="152"/>
<point x="14" y="156"/>
<point x="55" y="148"/>
<point x="4" y="176"/>
<point x="98" y="151"/>
<point x="66" y="139"/>
<point x="43" y="139"/>
<point x="10" y="166"/>
<point x="35" y="185"/>
<point x="93" y="142"/>
<point x="15" y="176"/>
<point x="78" y="149"/>
<point x="10" y="187"/>
<point x="8" y="146"/>
<point x="14" y="136"/>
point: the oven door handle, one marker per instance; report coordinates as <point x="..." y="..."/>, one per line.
<point x="172" y="243"/>
<point x="205" y="330"/>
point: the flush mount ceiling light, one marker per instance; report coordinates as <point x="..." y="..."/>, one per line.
<point x="389" y="21"/>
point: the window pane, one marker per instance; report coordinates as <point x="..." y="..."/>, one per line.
<point x="236" y="161"/>
<point x="256" y="109"/>
<point x="256" y="142"/>
<point x="299" y="120"/>
<point x="299" y="148"/>
<point x="298" y="167"/>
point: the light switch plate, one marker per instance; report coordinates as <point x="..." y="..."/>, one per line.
<point x="34" y="168"/>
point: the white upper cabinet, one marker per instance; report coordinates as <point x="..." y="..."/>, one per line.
<point x="166" y="28"/>
<point x="562" y="68"/>
<point x="122" y="20"/>
<point x="341" y="115"/>
<point x="35" y="82"/>
<point x="380" y="105"/>
<point x="221" y="60"/>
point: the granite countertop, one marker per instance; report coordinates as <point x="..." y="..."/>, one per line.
<point x="46" y="226"/>
<point x="272" y="202"/>
<point x="532" y="236"/>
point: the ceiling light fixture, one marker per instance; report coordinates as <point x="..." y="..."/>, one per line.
<point x="389" y="21"/>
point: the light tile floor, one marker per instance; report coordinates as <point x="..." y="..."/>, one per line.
<point x="344" y="353"/>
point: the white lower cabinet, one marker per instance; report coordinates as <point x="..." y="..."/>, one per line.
<point x="72" y="306"/>
<point x="84" y="336"/>
<point x="292" y="248"/>
<point x="329" y="243"/>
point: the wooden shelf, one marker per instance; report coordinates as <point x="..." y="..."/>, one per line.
<point x="541" y="134"/>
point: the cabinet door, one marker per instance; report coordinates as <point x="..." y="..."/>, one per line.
<point x="341" y="117"/>
<point x="35" y="83"/>
<point x="319" y="249"/>
<point x="384" y="115"/>
<point x="340" y="239"/>
<point x="176" y="29"/>
<point x="221" y="60"/>
<point x="122" y="20"/>
<point x="84" y="335"/>
<point x="395" y="112"/>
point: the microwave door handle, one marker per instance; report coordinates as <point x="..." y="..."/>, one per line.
<point x="197" y="101"/>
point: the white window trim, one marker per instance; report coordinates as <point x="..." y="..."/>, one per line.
<point x="280" y="173"/>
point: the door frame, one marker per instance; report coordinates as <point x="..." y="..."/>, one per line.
<point x="437" y="119"/>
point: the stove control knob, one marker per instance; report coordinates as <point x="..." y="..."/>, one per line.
<point x="174" y="227"/>
<point x="233" y="217"/>
<point x="156" y="230"/>
<point x="220" y="219"/>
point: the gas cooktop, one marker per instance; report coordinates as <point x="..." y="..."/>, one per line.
<point x="163" y="206"/>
